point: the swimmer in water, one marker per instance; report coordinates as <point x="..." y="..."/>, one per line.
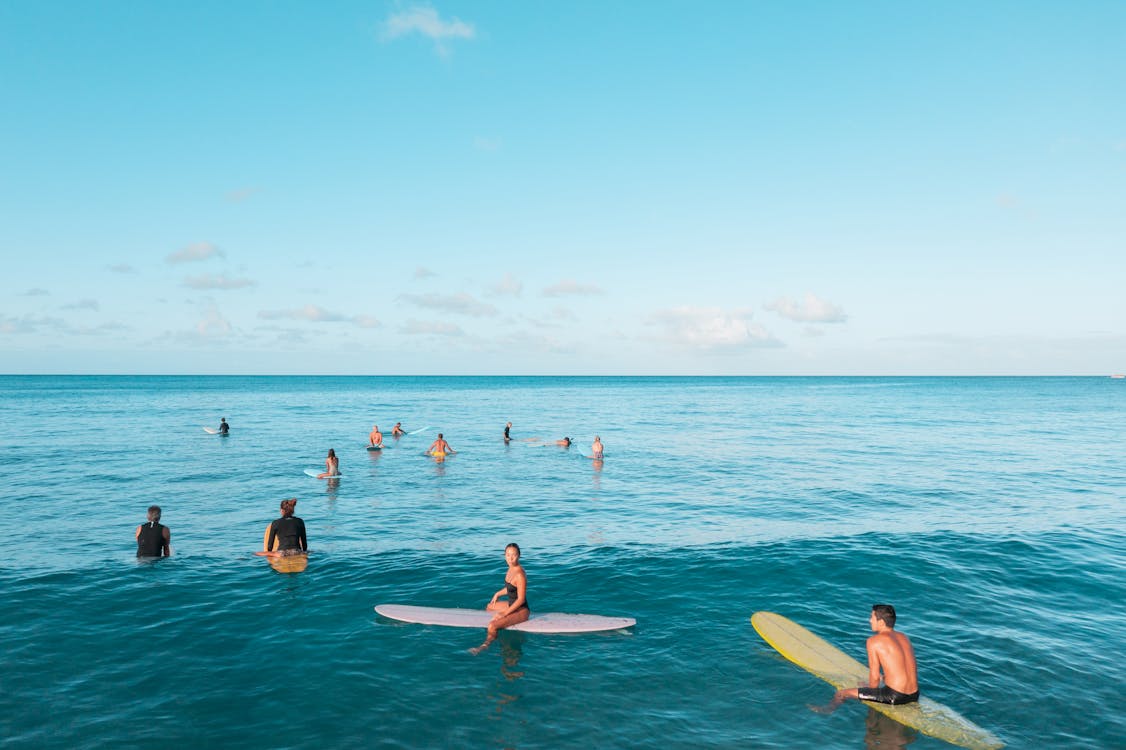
<point x="332" y="466"/>
<point x="515" y="609"/>
<point x="397" y="430"/>
<point x="596" y="448"/>
<point x="376" y="437"/>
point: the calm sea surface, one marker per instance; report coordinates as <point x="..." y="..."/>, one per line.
<point x="989" y="511"/>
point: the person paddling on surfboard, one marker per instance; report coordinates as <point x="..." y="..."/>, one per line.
<point x="285" y="536"/>
<point x="513" y="611"/>
<point x="891" y="652"/>
<point x="397" y="430"/>
<point x="154" y="539"/>
<point x="332" y="465"/>
<point x="376" y="437"/>
<point x="224" y="428"/>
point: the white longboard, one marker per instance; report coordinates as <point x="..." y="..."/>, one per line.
<point x="547" y="622"/>
<point x="315" y="474"/>
<point x="210" y="430"/>
<point x="819" y="657"/>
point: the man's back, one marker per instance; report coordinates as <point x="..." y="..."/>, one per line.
<point x="897" y="659"/>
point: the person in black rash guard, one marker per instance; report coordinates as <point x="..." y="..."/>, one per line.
<point x="153" y="538"/>
<point x="507" y="427"/>
<point x="516" y="609"/>
<point x="224" y="428"/>
<point x="286" y="535"/>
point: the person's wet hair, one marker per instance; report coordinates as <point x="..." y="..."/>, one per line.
<point x="287" y="506"/>
<point x="885" y="612"/>
<point x="154" y="513"/>
<point x="513" y="545"/>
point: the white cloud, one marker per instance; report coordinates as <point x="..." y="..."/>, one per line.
<point x="213" y="325"/>
<point x="712" y="328"/>
<point x="423" y="273"/>
<point x="425" y="21"/>
<point x="37" y="292"/>
<point x="216" y="281"/>
<point x="461" y="304"/>
<point x="569" y="287"/>
<point x="31" y="324"/>
<point x="194" y="252"/>
<point x="812" y="309"/>
<point x="431" y="328"/>
<point x="507" y="287"/>
<point x="317" y="314"/>
<point x="86" y="304"/>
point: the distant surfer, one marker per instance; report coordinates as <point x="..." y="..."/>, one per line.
<point x="565" y="442"/>
<point x="332" y="466"/>
<point x="376" y="437"/>
<point x="154" y="539"/>
<point x="596" y="449"/>
<point x="891" y="652"/>
<point x="513" y="611"/>
<point x="507" y="437"/>
<point x="285" y="536"/>
<point x="440" y="448"/>
<point x="397" y="430"/>
<point x="224" y="428"/>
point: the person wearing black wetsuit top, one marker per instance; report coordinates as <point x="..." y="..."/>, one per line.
<point x="288" y="532"/>
<point x="224" y="428"/>
<point x="153" y="538"/>
<point x="507" y="427"/>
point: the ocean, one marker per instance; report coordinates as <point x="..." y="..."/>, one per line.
<point x="989" y="511"/>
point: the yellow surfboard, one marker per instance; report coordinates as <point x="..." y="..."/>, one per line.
<point x="289" y="563"/>
<point x="821" y="658"/>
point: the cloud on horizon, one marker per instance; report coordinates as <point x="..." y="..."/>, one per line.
<point x="317" y="314"/>
<point x="216" y="281"/>
<point x="569" y="287"/>
<point x="812" y="309"/>
<point x="509" y="286"/>
<point x="424" y="273"/>
<point x="86" y="304"/>
<point x="460" y="304"/>
<point x="712" y="329"/>
<point x="36" y="292"/>
<point x="195" y="252"/>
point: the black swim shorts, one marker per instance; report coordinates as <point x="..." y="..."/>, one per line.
<point x="884" y="694"/>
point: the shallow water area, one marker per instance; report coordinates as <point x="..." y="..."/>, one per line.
<point x="989" y="511"/>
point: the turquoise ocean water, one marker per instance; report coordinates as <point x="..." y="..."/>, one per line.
<point x="989" y="511"/>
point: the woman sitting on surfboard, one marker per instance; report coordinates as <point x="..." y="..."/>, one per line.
<point x="332" y="466"/>
<point x="285" y="536"/>
<point x="513" y="611"/>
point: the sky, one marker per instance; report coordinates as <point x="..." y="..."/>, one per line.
<point x="586" y="188"/>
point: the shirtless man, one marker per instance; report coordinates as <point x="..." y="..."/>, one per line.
<point x="596" y="448"/>
<point x="440" y="447"/>
<point x="891" y="652"/>
<point x="376" y="437"/>
<point x="397" y="430"/>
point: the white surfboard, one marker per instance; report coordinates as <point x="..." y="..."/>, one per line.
<point x="420" y="429"/>
<point x="821" y="658"/>
<point x="547" y="622"/>
<point x="210" y="430"/>
<point x="315" y="474"/>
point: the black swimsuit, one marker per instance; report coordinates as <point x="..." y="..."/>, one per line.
<point x="512" y="595"/>
<point x="884" y="694"/>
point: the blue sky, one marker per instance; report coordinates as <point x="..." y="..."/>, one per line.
<point x="809" y="188"/>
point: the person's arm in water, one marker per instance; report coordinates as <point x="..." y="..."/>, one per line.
<point x="166" y="543"/>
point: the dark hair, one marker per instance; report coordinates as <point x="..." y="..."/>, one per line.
<point x="513" y="545"/>
<point x="884" y="612"/>
<point x="154" y="512"/>
<point x="287" y="506"/>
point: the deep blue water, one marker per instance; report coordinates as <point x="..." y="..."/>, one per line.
<point x="990" y="511"/>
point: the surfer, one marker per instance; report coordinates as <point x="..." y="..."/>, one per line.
<point x="397" y="430"/>
<point x="891" y="652"/>
<point x="439" y="448"/>
<point x="287" y="533"/>
<point x="224" y="428"/>
<point x="596" y="448"/>
<point x="507" y="427"/>
<point x="565" y="442"/>
<point x="376" y="437"/>
<point x="332" y="466"/>
<point x="513" y="611"/>
<point x="153" y="538"/>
